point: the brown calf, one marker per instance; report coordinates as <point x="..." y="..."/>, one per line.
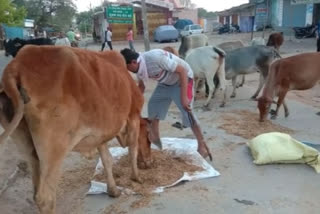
<point x="300" y="72"/>
<point x="171" y="50"/>
<point x="275" y="40"/>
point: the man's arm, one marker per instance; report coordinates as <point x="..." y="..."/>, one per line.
<point x="141" y="85"/>
<point x="184" y="87"/>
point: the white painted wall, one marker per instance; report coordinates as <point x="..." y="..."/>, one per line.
<point x="309" y="14"/>
<point x="280" y="13"/>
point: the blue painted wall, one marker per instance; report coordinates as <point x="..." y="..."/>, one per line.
<point x="246" y="23"/>
<point x="293" y="15"/>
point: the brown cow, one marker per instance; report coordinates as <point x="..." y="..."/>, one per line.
<point x="300" y="72"/>
<point x="171" y="50"/>
<point x="275" y="40"/>
<point x="59" y="99"/>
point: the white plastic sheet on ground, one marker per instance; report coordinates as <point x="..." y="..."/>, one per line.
<point x="176" y="147"/>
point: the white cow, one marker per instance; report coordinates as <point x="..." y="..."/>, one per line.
<point x="257" y="41"/>
<point x="190" y="42"/>
<point x="205" y="63"/>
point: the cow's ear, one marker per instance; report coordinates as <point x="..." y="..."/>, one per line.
<point x="18" y="44"/>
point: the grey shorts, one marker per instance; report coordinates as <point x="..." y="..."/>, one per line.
<point x="161" y="99"/>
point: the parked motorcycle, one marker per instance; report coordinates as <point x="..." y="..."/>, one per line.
<point x="224" y="29"/>
<point x="229" y="29"/>
<point x="305" y="32"/>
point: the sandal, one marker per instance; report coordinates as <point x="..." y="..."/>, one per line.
<point x="178" y="125"/>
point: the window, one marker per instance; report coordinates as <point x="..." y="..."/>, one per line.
<point x="195" y="27"/>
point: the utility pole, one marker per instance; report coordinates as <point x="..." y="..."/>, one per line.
<point x="266" y="19"/>
<point x="145" y="26"/>
<point x="254" y="19"/>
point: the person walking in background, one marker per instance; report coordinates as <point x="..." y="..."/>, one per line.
<point x="72" y="38"/>
<point x="108" y="39"/>
<point x="130" y="38"/>
<point x="62" y="40"/>
<point x="317" y="36"/>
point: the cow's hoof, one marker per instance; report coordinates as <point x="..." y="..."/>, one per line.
<point x="318" y="113"/>
<point x="286" y="115"/>
<point x="206" y="108"/>
<point x="272" y="112"/>
<point x="136" y="179"/>
<point x="222" y="105"/>
<point x="114" y="192"/>
<point x="253" y="98"/>
<point x="233" y="96"/>
<point x="273" y="117"/>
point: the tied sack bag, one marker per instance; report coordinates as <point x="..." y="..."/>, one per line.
<point x="278" y="147"/>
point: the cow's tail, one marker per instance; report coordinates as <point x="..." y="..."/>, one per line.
<point x="219" y="51"/>
<point x="221" y="54"/>
<point x="16" y="96"/>
<point x="220" y="68"/>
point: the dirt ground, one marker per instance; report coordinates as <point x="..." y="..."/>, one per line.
<point x="242" y="186"/>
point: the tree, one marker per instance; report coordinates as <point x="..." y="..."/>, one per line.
<point x="58" y="14"/>
<point x="203" y="13"/>
<point x="84" y="21"/>
<point x="10" y="14"/>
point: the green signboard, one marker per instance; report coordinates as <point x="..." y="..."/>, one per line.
<point x="120" y="21"/>
<point x="119" y="14"/>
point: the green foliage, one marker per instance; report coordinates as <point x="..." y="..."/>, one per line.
<point x="84" y="21"/>
<point x="58" y="14"/>
<point x="203" y="13"/>
<point x="10" y="14"/>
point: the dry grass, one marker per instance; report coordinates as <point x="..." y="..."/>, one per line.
<point x="165" y="170"/>
<point x="246" y="124"/>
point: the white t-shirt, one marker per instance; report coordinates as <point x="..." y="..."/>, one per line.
<point x="63" y="42"/>
<point x="109" y="35"/>
<point x="161" y="66"/>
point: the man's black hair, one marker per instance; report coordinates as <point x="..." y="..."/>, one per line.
<point x="129" y="55"/>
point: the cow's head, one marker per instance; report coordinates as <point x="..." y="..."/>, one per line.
<point x="144" y="155"/>
<point x="171" y="50"/>
<point x="264" y="105"/>
<point x="13" y="46"/>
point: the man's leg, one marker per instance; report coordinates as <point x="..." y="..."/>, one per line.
<point x="189" y="120"/>
<point x="103" y="45"/>
<point x="318" y="45"/>
<point x="131" y="46"/>
<point x="110" y="45"/>
<point x="158" y="107"/>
